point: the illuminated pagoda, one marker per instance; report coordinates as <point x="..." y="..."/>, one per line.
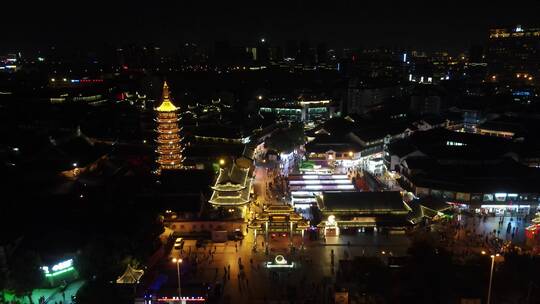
<point x="169" y="142"/>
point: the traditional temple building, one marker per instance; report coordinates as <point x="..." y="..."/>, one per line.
<point x="169" y="141"/>
<point x="233" y="185"/>
<point x="362" y="210"/>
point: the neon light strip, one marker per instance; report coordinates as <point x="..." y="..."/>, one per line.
<point x="505" y="206"/>
<point x="59" y="272"/>
<point x="187" y="299"/>
<point x="303" y="201"/>
<point x="305" y="193"/>
<point x="318" y="171"/>
<point x="318" y="176"/>
<point x="268" y="265"/>
<point x="310" y="177"/>
<point x="301" y="206"/>
<point x="301" y="193"/>
<point x="319" y="182"/>
<point x="303" y="197"/>
<point x="321" y="187"/>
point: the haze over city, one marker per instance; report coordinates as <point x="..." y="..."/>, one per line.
<point x="278" y="152"/>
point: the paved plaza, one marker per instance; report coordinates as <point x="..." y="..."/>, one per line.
<point x="258" y="284"/>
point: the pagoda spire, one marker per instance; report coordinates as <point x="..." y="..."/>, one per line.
<point x="165" y="92"/>
<point x="166" y="103"/>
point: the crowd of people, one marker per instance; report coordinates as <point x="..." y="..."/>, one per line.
<point x="469" y="233"/>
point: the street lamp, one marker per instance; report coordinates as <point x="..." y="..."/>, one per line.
<point x="178" y="261"/>
<point x="491" y="276"/>
<point x="221" y="162"/>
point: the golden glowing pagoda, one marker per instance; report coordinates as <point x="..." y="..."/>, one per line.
<point x="169" y="142"/>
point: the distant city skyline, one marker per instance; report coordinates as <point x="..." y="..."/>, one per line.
<point x="412" y="24"/>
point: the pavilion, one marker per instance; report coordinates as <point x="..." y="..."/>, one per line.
<point x="233" y="185"/>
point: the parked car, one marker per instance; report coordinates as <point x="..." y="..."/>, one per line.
<point x="179" y="243"/>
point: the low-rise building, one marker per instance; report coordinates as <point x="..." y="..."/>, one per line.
<point x="479" y="171"/>
<point x="360" y="210"/>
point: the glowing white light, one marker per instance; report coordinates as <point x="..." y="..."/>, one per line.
<point x="280" y="260"/>
<point x="280" y="266"/>
<point x="505" y="206"/>
<point x="320" y="182"/>
<point x="304" y="193"/>
<point x="303" y="200"/>
<point x="301" y="193"/>
<point x="331" y="219"/>
<point x="63" y="265"/>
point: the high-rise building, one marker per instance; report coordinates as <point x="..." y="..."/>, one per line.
<point x="322" y="53"/>
<point x="263" y="52"/>
<point x="169" y="141"/>
<point x="222" y="52"/>
<point x="514" y="54"/>
<point x="305" y="56"/>
<point x="291" y="49"/>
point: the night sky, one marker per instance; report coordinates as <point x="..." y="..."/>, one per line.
<point x="419" y="24"/>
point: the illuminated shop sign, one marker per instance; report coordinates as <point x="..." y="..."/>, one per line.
<point x="59" y="268"/>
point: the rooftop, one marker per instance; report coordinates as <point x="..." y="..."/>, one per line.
<point x="442" y="144"/>
<point x="335" y="143"/>
<point x="506" y="176"/>
<point x="232" y="187"/>
<point x="363" y="202"/>
<point x="166" y="103"/>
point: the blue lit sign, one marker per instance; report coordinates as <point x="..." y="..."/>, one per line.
<point x="521" y="93"/>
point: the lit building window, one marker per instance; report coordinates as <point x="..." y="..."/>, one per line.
<point x="455" y="143"/>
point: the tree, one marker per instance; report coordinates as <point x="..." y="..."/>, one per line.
<point x="429" y="275"/>
<point x="288" y="139"/>
<point x="104" y="292"/>
<point x="26" y="274"/>
<point x="3" y="285"/>
<point x="134" y="236"/>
